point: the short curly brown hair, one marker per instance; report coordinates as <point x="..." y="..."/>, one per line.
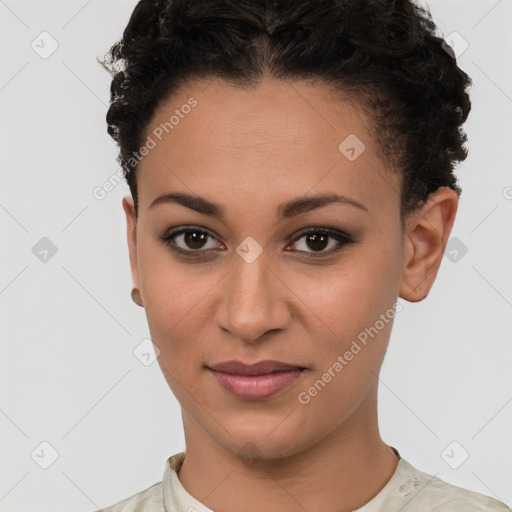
<point x="383" y="53"/>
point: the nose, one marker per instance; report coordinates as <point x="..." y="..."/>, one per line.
<point x="255" y="301"/>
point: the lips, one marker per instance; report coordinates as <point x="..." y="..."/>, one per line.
<point x="256" y="381"/>
<point x="259" y="368"/>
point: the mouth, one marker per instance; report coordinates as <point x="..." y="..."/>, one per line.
<point x="255" y="381"/>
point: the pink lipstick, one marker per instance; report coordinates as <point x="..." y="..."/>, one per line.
<point x="255" y="381"/>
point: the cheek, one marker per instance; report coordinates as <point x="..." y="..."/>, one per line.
<point x="352" y="310"/>
<point x="349" y="354"/>
<point x="170" y="288"/>
<point x="344" y="299"/>
<point x="173" y="296"/>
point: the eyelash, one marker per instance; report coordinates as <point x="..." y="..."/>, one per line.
<point x="340" y="237"/>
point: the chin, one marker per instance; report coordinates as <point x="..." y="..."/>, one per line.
<point x="263" y="443"/>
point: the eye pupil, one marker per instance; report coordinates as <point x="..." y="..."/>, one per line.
<point x="319" y="241"/>
<point x="193" y="237"/>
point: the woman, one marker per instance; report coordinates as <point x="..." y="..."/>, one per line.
<point x="291" y="171"/>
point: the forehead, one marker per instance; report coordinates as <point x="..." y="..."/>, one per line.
<point x="279" y="137"/>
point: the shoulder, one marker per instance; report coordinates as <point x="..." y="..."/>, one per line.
<point x="429" y="493"/>
<point x="148" y="500"/>
<point x="445" y="497"/>
<point x="152" y="498"/>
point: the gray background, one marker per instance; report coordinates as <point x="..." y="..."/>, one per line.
<point x="68" y="373"/>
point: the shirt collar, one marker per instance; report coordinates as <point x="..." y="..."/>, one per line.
<point x="175" y="496"/>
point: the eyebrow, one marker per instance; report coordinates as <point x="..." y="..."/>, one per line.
<point x="284" y="211"/>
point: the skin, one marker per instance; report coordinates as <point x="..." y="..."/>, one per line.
<point x="249" y="150"/>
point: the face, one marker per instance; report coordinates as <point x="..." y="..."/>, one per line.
<point x="267" y="272"/>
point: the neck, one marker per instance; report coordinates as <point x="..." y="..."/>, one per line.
<point x="340" y="473"/>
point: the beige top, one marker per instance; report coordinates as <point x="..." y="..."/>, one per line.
<point x="408" y="490"/>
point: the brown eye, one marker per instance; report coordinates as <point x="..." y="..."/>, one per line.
<point x="189" y="240"/>
<point x="195" y="239"/>
<point x="317" y="240"/>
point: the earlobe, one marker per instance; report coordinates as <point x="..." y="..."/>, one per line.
<point x="131" y="232"/>
<point x="425" y="239"/>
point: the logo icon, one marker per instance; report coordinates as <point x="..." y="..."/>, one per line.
<point x="454" y="455"/>
<point x="146" y="352"/>
<point x="455" y="249"/>
<point x="352" y="147"/>
<point x="44" y="45"/>
<point x="44" y="455"/>
<point x="455" y="45"/>
<point x="249" y="250"/>
<point x="44" y="250"/>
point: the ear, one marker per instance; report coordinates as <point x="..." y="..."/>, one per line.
<point x="426" y="234"/>
<point x="131" y="231"/>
